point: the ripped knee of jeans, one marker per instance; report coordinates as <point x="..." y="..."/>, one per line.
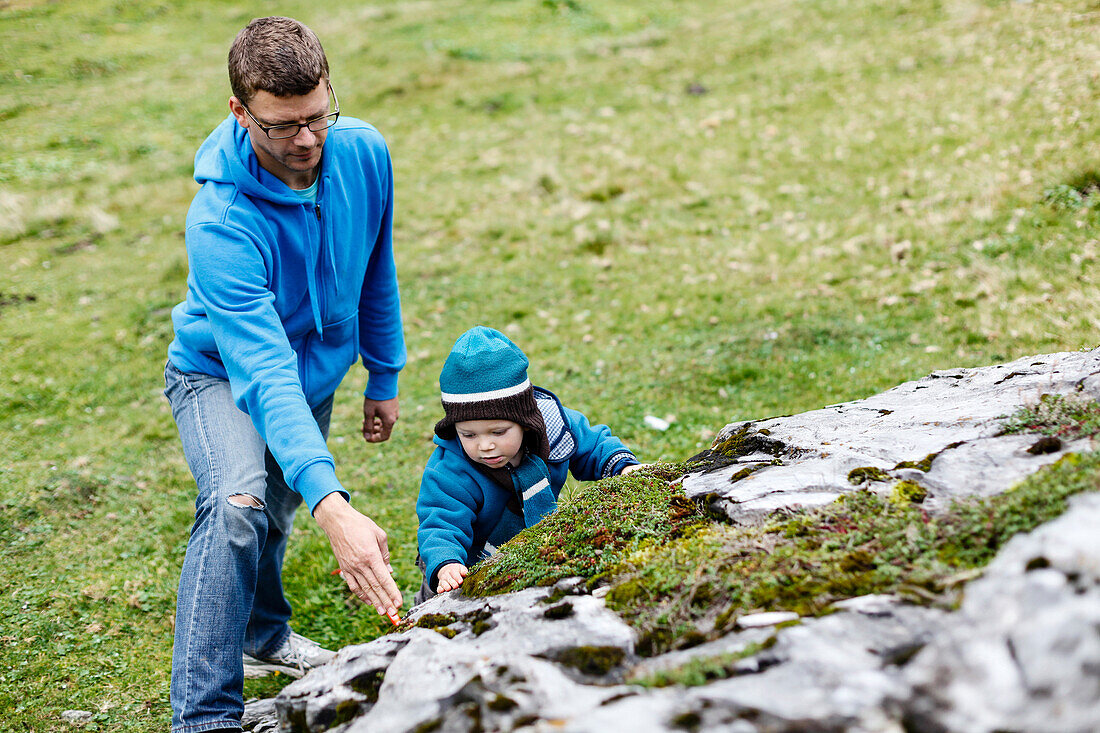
<point x="245" y="501"/>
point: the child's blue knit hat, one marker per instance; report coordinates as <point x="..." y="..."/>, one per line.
<point x="485" y="378"/>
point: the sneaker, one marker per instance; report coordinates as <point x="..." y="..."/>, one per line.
<point x="295" y="657"/>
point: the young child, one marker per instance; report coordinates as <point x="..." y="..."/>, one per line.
<point x="503" y="451"/>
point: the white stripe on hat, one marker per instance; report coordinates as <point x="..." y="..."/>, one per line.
<point x="494" y="394"/>
<point x="535" y="489"/>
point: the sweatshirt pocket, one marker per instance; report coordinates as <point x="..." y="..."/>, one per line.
<point x="323" y="361"/>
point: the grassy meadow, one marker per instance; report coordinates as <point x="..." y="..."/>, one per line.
<point x="701" y="211"/>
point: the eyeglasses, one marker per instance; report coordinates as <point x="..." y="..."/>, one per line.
<point x="282" y="132"/>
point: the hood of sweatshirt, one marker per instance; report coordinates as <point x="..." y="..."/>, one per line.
<point x="226" y="156"/>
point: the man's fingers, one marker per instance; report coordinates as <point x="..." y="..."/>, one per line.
<point x="389" y="586"/>
<point x="367" y="591"/>
<point x="370" y="419"/>
<point x="379" y="417"/>
<point x="393" y="593"/>
<point x="370" y="427"/>
<point x="378" y="431"/>
<point x="389" y="597"/>
<point x="375" y="430"/>
<point x="377" y="597"/>
<point x="378" y="590"/>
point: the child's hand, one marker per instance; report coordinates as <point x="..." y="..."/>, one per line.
<point x="450" y="577"/>
<point x="633" y="467"/>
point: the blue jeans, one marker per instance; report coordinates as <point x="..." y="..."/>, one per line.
<point x="230" y="597"/>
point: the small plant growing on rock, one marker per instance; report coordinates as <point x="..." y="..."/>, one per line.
<point x="1056" y="415"/>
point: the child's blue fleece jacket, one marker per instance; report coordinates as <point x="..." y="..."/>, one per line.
<point x="284" y="295"/>
<point x="460" y="506"/>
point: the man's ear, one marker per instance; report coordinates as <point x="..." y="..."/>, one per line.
<point x="237" y="110"/>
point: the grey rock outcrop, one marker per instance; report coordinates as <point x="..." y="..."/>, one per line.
<point x="513" y="659"/>
<point x="1022" y="653"/>
<point x="950" y="417"/>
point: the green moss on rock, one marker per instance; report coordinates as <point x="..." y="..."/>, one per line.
<point x="502" y="704"/>
<point x="435" y="620"/>
<point x="699" y="671"/>
<point x="925" y="464"/>
<point x="480" y="620"/>
<point x="908" y="492"/>
<point x="741" y="442"/>
<point x="346" y="710"/>
<point x="560" y="611"/>
<point x="687" y="720"/>
<point x="864" y="474"/>
<point x="428" y="726"/>
<point x="744" y="440"/>
<point x="438" y="622"/>
<point x="747" y="471"/>
<point x="806" y="560"/>
<point x="592" y="660"/>
<point x="368" y="684"/>
<point x="627" y="592"/>
<point x="589" y="534"/>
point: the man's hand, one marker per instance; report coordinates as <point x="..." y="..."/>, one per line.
<point x="379" y="417"/>
<point x="633" y="467"/>
<point x="361" y="550"/>
<point x="450" y="577"/>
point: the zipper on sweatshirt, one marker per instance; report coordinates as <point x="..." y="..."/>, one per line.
<point x="321" y="264"/>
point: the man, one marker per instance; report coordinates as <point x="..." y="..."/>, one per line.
<point x="291" y="280"/>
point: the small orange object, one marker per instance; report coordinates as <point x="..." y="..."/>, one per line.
<point x="394" y="618"/>
<point x="337" y="571"/>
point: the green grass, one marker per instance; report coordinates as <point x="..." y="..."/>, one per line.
<point x="702" y="210"/>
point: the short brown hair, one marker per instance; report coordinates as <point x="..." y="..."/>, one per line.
<point x="276" y="55"/>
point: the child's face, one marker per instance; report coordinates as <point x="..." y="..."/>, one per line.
<point x="492" y="443"/>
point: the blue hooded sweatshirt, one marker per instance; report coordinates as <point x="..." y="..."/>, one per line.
<point x="284" y="294"/>
<point x="462" y="510"/>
